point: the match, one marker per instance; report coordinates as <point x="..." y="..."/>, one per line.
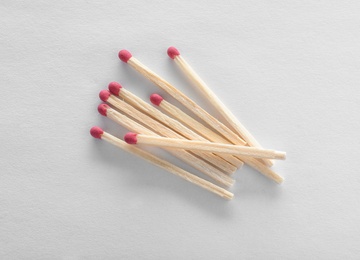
<point x="116" y="89"/>
<point x="127" y="57"/>
<point x="177" y="113"/>
<point x="198" y="138"/>
<point x="189" y="158"/>
<point x="97" y="132"/>
<point x="133" y="138"/>
<point x="213" y="99"/>
<point x="164" y="130"/>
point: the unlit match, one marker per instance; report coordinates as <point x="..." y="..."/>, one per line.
<point x="213" y="99"/>
<point x="198" y="139"/>
<point x="116" y="89"/>
<point x="177" y="113"/>
<point x="133" y="138"/>
<point x="97" y="132"/>
<point x="146" y="119"/>
<point x="127" y="57"/>
<point x="183" y="155"/>
<point x="198" y="163"/>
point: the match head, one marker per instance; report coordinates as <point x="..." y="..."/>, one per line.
<point x="114" y="88"/>
<point x="102" y="108"/>
<point x="156" y="99"/>
<point x="104" y="95"/>
<point x="130" y="138"/>
<point x="172" y="52"/>
<point x="124" y="55"/>
<point x="96" y="132"/>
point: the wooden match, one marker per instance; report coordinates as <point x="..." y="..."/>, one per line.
<point x="207" y="145"/>
<point x="164" y="130"/>
<point x="202" y="165"/>
<point x="97" y="132"/>
<point x="213" y="99"/>
<point x="133" y="138"/>
<point x="116" y="89"/>
<point x="177" y="113"/>
<point x="127" y="57"/>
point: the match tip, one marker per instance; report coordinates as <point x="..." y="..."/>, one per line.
<point x="124" y="55"/>
<point x="114" y="88"/>
<point x="104" y="95"/>
<point x="156" y="99"/>
<point x="172" y="52"/>
<point x="96" y="132"/>
<point x="130" y="138"/>
<point x="102" y="108"/>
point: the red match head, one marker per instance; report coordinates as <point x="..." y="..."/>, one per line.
<point x="130" y="138"/>
<point x="104" y="95"/>
<point x="102" y="108"/>
<point x="96" y="132"/>
<point x="114" y="88"/>
<point x="172" y="52"/>
<point x="156" y="99"/>
<point x="124" y="55"/>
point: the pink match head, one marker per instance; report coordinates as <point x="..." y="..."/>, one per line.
<point x="172" y="52"/>
<point x="104" y="95"/>
<point x="102" y="108"/>
<point x="156" y="99"/>
<point x="96" y="132"/>
<point x="114" y="88"/>
<point x="124" y="55"/>
<point x="130" y="138"/>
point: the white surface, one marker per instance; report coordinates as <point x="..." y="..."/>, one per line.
<point x="288" y="69"/>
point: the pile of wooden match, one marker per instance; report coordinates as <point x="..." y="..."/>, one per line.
<point x="200" y="140"/>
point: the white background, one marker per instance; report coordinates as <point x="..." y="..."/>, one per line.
<point x="289" y="70"/>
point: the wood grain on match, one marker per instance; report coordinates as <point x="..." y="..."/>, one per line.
<point x="205" y="146"/>
<point x="186" y="101"/>
<point x="116" y="89"/>
<point x="214" y="100"/>
<point x="202" y="165"/>
<point x="99" y="133"/>
<point x="215" y="137"/>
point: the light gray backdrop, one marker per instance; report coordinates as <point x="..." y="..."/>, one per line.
<point x="289" y="70"/>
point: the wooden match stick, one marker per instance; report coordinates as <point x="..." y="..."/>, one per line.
<point x="127" y="57"/>
<point x="133" y="138"/>
<point x="177" y="113"/>
<point x="155" y="125"/>
<point x="97" y="132"/>
<point x="168" y="132"/>
<point x="213" y="99"/>
<point x="183" y="155"/>
<point x="196" y="162"/>
<point x="116" y="89"/>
